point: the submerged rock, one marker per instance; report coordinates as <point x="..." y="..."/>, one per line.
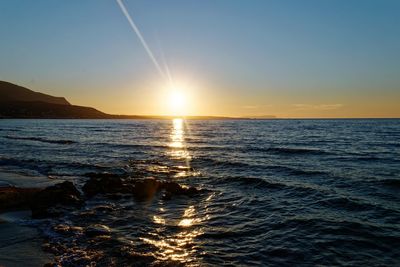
<point x="67" y="230"/>
<point x="147" y="188"/>
<point x="140" y="259"/>
<point x="53" y="200"/>
<point x="174" y="188"/>
<point x="97" y="230"/>
<point x="45" y="202"/>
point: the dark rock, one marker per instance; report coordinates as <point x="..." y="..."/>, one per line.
<point x="45" y="201"/>
<point x="97" y="230"/>
<point x="113" y="186"/>
<point x="173" y="188"/>
<point x="146" y="188"/>
<point x="116" y="196"/>
<point x="87" y="214"/>
<point x="140" y="259"/>
<point x="102" y="175"/>
<point x="104" y="208"/>
<point x="12" y="198"/>
<point x="167" y="196"/>
<point x="168" y="263"/>
<point x="67" y="230"/>
<point x="105" y="184"/>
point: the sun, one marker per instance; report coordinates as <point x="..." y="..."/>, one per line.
<point x="176" y="99"/>
<point x="177" y="102"/>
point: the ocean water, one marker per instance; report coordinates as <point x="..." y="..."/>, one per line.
<point x="274" y="192"/>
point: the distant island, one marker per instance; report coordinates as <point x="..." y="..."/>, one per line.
<point x="17" y="102"/>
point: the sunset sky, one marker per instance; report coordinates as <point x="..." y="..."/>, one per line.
<point x="311" y="58"/>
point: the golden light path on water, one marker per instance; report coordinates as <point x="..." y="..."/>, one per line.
<point x="181" y="244"/>
<point x="178" y="149"/>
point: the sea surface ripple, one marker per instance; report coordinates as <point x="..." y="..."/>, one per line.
<point x="276" y="192"/>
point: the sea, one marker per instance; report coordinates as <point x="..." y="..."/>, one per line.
<point x="272" y="192"/>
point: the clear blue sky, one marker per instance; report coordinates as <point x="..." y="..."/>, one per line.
<point x="280" y="57"/>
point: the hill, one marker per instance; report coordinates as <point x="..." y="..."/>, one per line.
<point x="42" y="110"/>
<point x="20" y="102"/>
<point x="11" y="93"/>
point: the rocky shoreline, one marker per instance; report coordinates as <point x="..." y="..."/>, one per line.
<point x="63" y="198"/>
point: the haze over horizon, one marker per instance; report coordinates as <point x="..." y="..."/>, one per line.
<point x="298" y="59"/>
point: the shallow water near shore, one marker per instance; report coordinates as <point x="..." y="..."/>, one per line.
<point x="20" y="245"/>
<point x="275" y="192"/>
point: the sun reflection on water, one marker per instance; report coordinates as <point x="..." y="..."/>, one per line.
<point x="177" y="134"/>
<point x="176" y="229"/>
<point x="179" y="246"/>
<point x="177" y="147"/>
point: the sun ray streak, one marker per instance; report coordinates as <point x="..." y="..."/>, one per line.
<point x="166" y="68"/>
<point x="141" y="38"/>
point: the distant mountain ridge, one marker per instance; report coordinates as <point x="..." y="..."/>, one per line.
<point x="10" y="92"/>
<point x="20" y="102"/>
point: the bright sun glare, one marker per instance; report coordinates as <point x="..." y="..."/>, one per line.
<point x="177" y="102"/>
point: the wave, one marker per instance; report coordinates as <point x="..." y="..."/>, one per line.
<point x="250" y="166"/>
<point x="295" y="171"/>
<point x="46" y="167"/>
<point x="294" y="189"/>
<point x="247" y="149"/>
<point x="220" y="163"/>
<point x="135" y="146"/>
<point x="346" y="203"/>
<point x="290" y="150"/>
<point x="395" y="183"/>
<point x="365" y="158"/>
<point x="39" y="139"/>
<point x="254" y="182"/>
<point x="10" y="130"/>
<point x="341" y="227"/>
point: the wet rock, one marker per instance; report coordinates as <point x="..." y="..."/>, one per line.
<point x="116" y="187"/>
<point x="13" y="198"/>
<point x="173" y="188"/>
<point x="46" y="202"/>
<point x="104" y="175"/>
<point x="140" y="259"/>
<point x="166" y="196"/>
<point x="104" y="208"/>
<point x="168" y="263"/>
<point x="87" y="214"/>
<point x="145" y="188"/>
<point x="67" y="230"/>
<point x="118" y="196"/>
<point x="105" y="184"/>
<point x="74" y="256"/>
<point x="97" y="230"/>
